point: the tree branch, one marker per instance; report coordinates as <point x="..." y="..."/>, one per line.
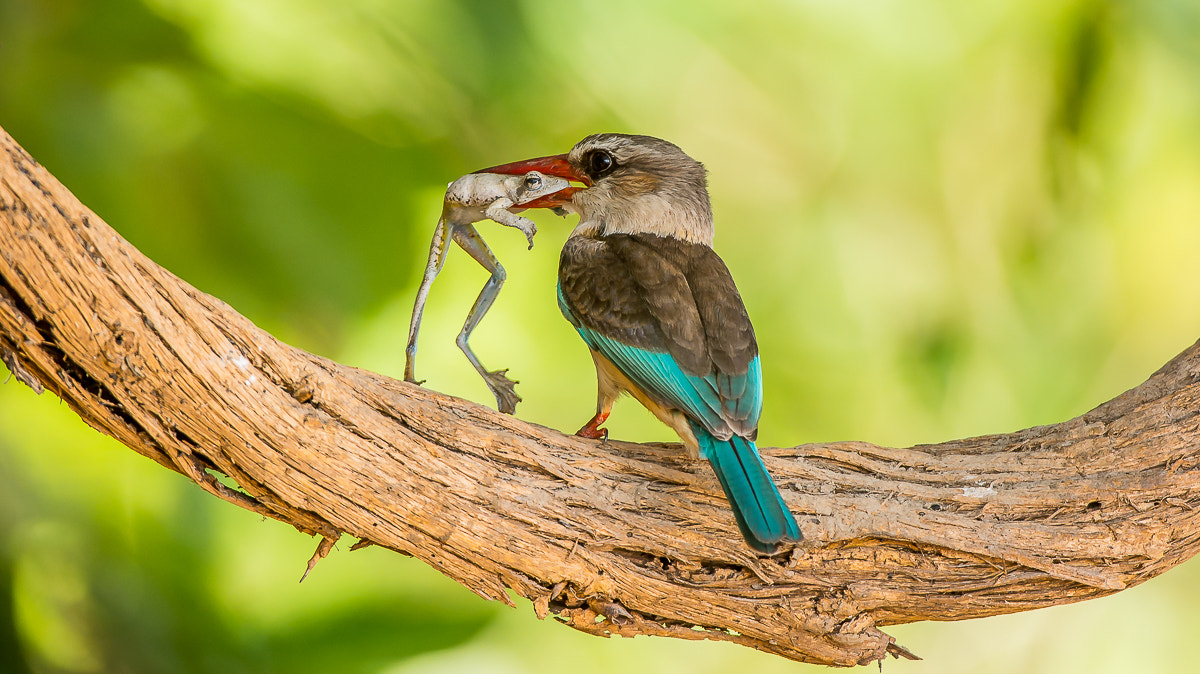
<point x="616" y="538"/>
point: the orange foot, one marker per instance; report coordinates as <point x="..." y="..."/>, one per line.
<point x="592" y="428"/>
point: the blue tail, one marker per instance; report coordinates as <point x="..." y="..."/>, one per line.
<point x="761" y="514"/>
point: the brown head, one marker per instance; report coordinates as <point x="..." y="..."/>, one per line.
<point x="634" y="185"/>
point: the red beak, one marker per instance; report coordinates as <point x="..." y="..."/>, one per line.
<point x="554" y="165"/>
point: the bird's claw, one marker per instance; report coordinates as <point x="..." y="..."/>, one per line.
<point x="592" y="429"/>
<point x="504" y="389"/>
<point x="600" y="434"/>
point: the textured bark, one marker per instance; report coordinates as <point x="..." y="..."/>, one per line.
<point x="613" y="538"/>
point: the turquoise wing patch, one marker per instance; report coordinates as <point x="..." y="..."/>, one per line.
<point x="721" y="402"/>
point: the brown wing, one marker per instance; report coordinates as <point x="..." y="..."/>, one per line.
<point x="669" y="296"/>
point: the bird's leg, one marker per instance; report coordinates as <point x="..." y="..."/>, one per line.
<point x="609" y="382"/>
<point x="499" y="212"/>
<point x="438" y="248"/>
<point x="501" y="386"/>
<point x="592" y="428"/>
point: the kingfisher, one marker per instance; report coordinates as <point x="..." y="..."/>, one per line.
<point x="659" y="311"/>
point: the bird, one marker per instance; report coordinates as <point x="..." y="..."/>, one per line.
<point x="659" y="311"/>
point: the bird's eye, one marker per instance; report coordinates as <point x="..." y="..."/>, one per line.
<point x="533" y="181"/>
<point x="600" y="163"/>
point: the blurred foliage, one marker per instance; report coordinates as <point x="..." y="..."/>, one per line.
<point x="946" y="219"/>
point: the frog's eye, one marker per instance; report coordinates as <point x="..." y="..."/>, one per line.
<point x="533" y="181"/>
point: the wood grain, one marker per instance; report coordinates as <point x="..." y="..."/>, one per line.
<point x="611" y="539"/>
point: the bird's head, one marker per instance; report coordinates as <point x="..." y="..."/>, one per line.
<point x="633" y="185"/>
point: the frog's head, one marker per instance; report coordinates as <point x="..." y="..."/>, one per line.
<point x="554" y="174"/>
<point x="536" y="185"/>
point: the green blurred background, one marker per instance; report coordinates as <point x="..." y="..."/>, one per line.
<point x="946" y="219"/>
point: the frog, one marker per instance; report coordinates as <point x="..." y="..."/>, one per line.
<point x="470" y="199"/>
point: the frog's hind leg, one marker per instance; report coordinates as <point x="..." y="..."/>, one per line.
<point x="501" y="386"/>
<point x="438" y="248"/>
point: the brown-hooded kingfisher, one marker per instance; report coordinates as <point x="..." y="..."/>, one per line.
<point x="658" y="309"/>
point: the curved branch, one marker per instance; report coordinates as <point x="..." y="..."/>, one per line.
<point x="612" y="539"/>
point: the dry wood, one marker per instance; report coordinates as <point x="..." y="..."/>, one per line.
<point x="611" y="539"/>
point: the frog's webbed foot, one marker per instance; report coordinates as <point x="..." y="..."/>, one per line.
<point x="529" y="232"/>
<point x="504" y="389"/>
<point x="511" y="219"/>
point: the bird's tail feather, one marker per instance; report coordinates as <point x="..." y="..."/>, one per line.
<point x="762" y="516"/>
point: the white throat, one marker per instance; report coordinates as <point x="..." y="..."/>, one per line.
<point x="647" y="214"/>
